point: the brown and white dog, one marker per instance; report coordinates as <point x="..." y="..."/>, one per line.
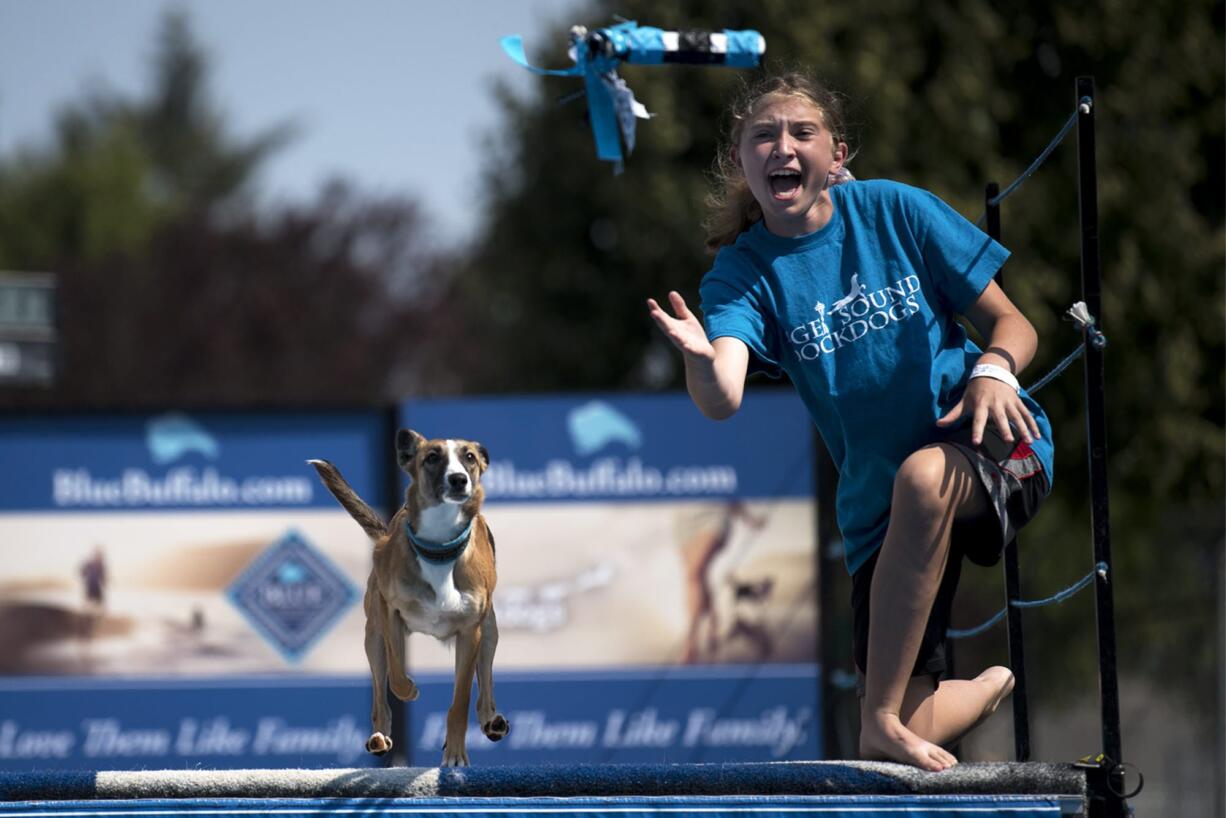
<point x="433" y="573"/>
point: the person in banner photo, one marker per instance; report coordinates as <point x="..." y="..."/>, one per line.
<point x="713" y="597"/>
<point x="853" y="288"/>
<point x="93" y="583"/>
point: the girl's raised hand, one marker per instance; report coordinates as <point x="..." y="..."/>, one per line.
<point x="684" y="330"/>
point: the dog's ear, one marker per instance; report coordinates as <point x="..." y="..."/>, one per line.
<point x="485" y="456"/>
<point x="407" y="443"/>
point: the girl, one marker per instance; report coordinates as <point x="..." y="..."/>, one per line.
<point x="852" y="288"/>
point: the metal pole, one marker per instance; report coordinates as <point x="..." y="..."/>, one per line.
<point x="832" y="597"/>
<point x="1220" y="787"/>
<point x="1096" y="424"/>
<point x="1013" y="584"/>
<point x="402" y="733"/>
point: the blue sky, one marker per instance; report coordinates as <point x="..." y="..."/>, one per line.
<point x="393" y="95"/>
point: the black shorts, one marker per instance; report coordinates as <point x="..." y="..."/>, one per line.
<point x="1016" y="484"/>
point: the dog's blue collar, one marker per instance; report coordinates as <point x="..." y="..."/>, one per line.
<point x="440" y="551"/>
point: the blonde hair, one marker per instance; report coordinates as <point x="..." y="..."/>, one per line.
<point x="731" y="205"/>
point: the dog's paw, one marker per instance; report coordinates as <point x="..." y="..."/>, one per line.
<point x="496" y="728"/>
<point x="455" y="758"/>
<point x="405" y="690"/>
<point x="378" y="744"/>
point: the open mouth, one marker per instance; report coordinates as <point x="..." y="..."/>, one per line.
<point x="785" y="184"/>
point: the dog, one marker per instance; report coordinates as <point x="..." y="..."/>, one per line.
<point x="433" y="573"/>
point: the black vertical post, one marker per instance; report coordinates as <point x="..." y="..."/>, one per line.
<point x="835" y="627"/>
<point x="1013" y="583"/>
<point x="1096" y="423"/>
<point x="402" y="753"/>
<point x="1220" y="788"/>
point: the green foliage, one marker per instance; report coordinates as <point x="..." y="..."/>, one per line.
<point x="120" y="169"/>
<point x="91" y="198"/>
<point x="292" y="311"/>
<point x="950" y="94"/>
<point x="173" y="290"/>
<point x="195" y="163"/>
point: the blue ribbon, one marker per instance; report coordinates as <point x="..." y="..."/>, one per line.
<point x="612" y="108"/>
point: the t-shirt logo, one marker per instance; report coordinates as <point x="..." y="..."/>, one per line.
<point x="821" y="317"/>
<point x="856" y="314"/>
<point x="856" y="291"/>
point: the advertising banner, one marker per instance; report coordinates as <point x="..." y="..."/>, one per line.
<point x="656" y="595"/>
<point x="180" y="589"/>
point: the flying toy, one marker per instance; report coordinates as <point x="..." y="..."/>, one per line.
<point x="597" y="54"/>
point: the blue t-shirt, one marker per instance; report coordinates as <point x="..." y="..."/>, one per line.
<point x="861" y="315"/>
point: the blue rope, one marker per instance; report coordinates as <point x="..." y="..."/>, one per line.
<point x="1100" y="568"/>
<point x="1051" y="146"/>
<point x="1089" y="328"/>
<point x="1060" y="367"/>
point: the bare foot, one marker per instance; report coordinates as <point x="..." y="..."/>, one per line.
<point x="991" y="687"/>
<point x="883" y="737"/>
<point x="999" y="681"/>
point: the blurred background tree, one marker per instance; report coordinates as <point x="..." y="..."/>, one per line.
<point x="947" y="96"/>
<point x="176" y="287"/>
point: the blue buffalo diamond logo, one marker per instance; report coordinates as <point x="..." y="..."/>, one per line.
<point x="292" y="594"/>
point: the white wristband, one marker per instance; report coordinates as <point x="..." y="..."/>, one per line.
<point x="995" y="372"/>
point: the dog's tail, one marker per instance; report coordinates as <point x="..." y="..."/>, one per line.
<point x="366" y="516"/>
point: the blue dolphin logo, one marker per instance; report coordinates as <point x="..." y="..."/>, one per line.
<point x="596" y="424"/>
<point x="173" y="435"/>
